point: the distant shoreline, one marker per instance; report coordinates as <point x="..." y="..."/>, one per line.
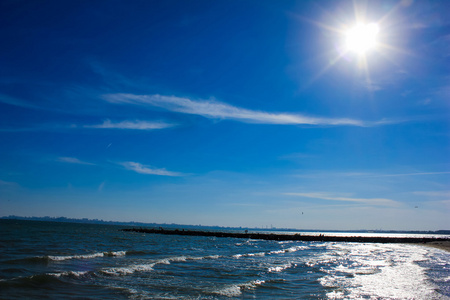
<point x="441" y="243"/>
<point x="219" y="228"/>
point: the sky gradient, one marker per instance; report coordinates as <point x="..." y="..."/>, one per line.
<point x="229" y="113"/>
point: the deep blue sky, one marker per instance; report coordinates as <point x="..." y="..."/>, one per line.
<point x="235" y="113"/>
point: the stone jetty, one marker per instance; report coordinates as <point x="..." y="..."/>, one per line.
<point x="289" y="237"/>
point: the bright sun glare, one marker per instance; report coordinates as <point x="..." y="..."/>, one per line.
<point x="362" y="38"/>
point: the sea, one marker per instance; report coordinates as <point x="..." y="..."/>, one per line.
<point x="50" y="260"/>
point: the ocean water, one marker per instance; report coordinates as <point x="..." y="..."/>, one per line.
<point x="47" y="260"/>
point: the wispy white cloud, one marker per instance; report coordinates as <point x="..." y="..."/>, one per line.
<point x="326" y="196"/>
<point x="297" y="156"/>
<point x="372" y="86"/>
<point x="442" y="194"/>
<point x="443" y="92"/>
<point x="368" y="174"/>
<point x="218" y="110"/>
<point x="107" y="124"/>
<point x="16" y="102"/>
<point x="412" y="174"/>
<point x="101" y="186"/>
<point x="142" y="169"/>
<point x="424" y="102"/>
<point x="443" y="44"/>
<point x="73" y="160"/>
<point x="8" y="183"/>
<point x="136" y="125"/>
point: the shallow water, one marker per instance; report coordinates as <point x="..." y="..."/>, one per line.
<point x="62" y="260"/>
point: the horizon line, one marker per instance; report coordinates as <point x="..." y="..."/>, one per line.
<point x="86" y="220"/>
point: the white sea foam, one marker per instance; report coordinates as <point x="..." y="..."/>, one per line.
<point x="128" y="270"/>
<point x="85" y="256"/>
<point x="281" y="251"/>
<point x="290" y="249"/>
<point x="286" y="242"/>
<point x="147" y="267"/>
<point x="115" y="253"/>
<point x="297" y="248"/>
<point x="279" y="268"/>
<point x="247" y="242"/>
<point x="164" y="261"/>
<point x="252" y="284"/>
<point x="202" y="257"/>
<point x="278" y="251"/>
<point x="178" y="258"/>
<point x="231" y="291"/>
<point x="121" y="271"/>
<point x="257" y="254"/>
<point x="249" y="254"/>
<point x="236" y="289"/>
<point x="69" y="273"/>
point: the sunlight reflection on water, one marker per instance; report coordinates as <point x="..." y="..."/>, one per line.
<point x="376" y="271"/>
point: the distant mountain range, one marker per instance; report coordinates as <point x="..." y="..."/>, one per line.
<point x="172" y="225"/>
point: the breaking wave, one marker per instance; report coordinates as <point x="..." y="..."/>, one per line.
<point x="236" y="289"/>
<point x="49" y="258"/>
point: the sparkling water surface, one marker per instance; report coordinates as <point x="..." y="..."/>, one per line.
<point x="82" y="261"/>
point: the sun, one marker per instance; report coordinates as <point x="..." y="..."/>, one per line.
<point x="362" y="38"/>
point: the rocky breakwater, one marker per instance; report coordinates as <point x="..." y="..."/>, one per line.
<point x="289" y="237"/>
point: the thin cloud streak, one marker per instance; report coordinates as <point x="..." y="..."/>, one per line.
<point x="366" y="174"/>
<point x="8" y="183"/>
<point x="101" y="186"/>
<point x="16" y="102"/>
<point x="218" y="110"/>
<point x="73" y="160"/>
<point x="135" y="125"/>
<point x="443" y="194"/>
<point x="412" y="174"/>
<point x="325" y="196"/>
<point x="142" y="169"/>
